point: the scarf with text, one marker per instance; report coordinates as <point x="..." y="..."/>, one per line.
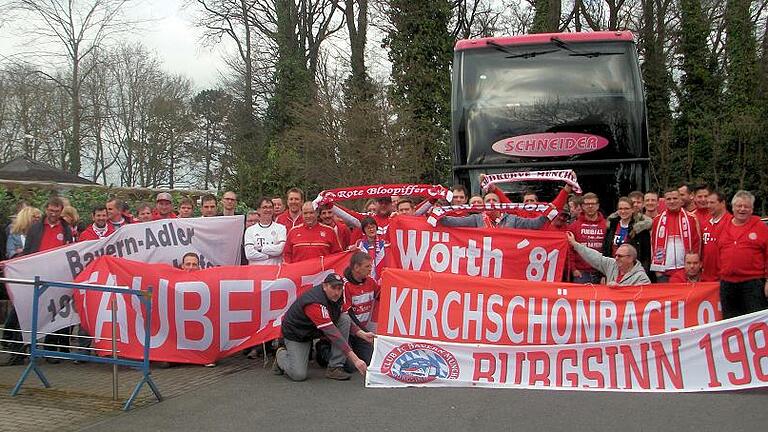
<point x="567" y="176"/>
<point x="379" y="191"/>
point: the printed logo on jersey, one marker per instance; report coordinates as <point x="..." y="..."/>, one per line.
<point x="418" y="363"/>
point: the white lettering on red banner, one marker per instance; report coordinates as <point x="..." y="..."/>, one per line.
<point x="511" y="312"/>
<point x="197" y="317"/>
<point x="497" y="253"/>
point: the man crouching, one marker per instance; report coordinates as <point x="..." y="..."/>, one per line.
<point x="316" y="312"/>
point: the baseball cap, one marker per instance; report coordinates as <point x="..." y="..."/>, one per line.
<point x="334" y="279"/>
<point x="164" y="196"/>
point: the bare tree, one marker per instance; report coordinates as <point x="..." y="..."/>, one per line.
<point x="79" y="27"/>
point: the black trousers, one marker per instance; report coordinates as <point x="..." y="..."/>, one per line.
<point x="741" y="298"/>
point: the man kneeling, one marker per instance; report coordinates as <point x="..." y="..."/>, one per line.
<point x="316" y="312"/>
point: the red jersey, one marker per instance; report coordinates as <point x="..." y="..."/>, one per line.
<point x="591" y="235"/>
<point x="344" y="234"/>
<point x="680" y="276"/>
<point x="306" y="242"/>
<point x="285" y="219"/>
<point x="158" y="216"/>
<point x="743" y="251"/>
<point x="93" y="233"/>
<point x="702" y="215"/>
<point x="361" y="299"/>
<point x="53" y="236"/>
<point x="709" y="255"/>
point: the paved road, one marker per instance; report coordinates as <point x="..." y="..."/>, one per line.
<point x="256" y="400"/>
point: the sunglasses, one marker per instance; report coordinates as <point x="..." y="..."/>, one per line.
<point x="621" y="255"/>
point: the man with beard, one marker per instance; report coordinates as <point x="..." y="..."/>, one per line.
<point x="341" y="229"/>
<point x="100" y="227"/>
<point x="319" y="311"/>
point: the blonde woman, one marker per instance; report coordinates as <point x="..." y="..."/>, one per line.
<point x="72" y="217"/>
<point x="18" y="235"/>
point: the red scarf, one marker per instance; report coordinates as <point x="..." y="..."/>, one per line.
<point x="380" y="191"/>
<point x="660" y="235"/>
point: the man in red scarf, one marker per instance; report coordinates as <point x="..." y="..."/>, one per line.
<point x="675" y="233"/>
<point x="743" y="251"/>
<point x="100" y="228"/>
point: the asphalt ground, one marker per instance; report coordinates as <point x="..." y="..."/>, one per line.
<point x="254" y="399"/>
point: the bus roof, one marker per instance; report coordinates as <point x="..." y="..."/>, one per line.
<point x="541" y="38"/>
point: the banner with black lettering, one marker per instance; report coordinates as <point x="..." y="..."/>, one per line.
<point x="217" y="240"/>
<point x="724" y="355"/>
<point x="511" y="312"/>
<point x="199" y="316"/>
<point x="496" y="253"/>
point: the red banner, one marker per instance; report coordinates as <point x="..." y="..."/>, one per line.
<point x="509" y="312"/>
<point x="497" y="253"/>
<point x="199" y="316"/>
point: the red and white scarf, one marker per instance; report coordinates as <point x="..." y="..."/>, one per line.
<point x="660" y="236"/>
<point x="519" y="209"/>
<point x="568" y="176"/>
<point x="380" y="191"/>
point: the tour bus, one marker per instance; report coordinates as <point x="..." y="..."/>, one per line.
<point x="548" y="102"/>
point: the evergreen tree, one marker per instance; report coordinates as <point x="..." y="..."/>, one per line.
<point x="699" y="87"/>
<point x="742" y="128"/>
<point x="421" y="52"/>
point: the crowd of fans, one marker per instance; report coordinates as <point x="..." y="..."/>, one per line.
<point x="686" y="234"/>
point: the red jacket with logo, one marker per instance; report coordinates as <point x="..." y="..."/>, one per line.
<point x="306" y="242"/>
<point x="591" y="235"/>
<point x="709" y="255"/>
<point x="743" y="251"/>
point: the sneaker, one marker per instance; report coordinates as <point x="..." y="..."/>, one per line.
<point x="337" y="373"/>
<point x="210" y="365"/>
<point x="276" y="369"/>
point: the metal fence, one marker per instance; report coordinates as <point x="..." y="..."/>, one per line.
<point x="39" y="350"/>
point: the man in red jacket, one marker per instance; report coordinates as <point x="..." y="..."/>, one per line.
<point x="99" y="228"/>
<point x="589" y="230"/>
<point x="310" y="239"/>
<point x="719" y="217"/>
<point x="743" y="252"/>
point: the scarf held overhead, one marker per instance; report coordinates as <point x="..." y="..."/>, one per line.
<point x="568" y="176"/>
<point x="379" y="191"/>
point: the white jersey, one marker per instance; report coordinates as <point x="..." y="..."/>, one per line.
<point x="264" y="244"/>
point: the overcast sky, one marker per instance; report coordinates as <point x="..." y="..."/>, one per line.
<point x="169" y="32"/>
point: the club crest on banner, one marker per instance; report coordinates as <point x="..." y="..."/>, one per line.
<point x="419" y="363"/>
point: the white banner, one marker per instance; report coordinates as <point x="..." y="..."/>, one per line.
<point x="217" y="240"/>
<point x="724" y="355"/>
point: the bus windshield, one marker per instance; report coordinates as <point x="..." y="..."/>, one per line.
<point x="590" y="88"/>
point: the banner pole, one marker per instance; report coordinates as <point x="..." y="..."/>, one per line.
<point x="114" y="347"/>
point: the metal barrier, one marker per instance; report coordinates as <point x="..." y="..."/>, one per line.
<point x="36" y="353"/>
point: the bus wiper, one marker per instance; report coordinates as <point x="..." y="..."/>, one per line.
<point x="525" y="55"/>
<point x="591" y="54"/>
<point x="530" y="54"/>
